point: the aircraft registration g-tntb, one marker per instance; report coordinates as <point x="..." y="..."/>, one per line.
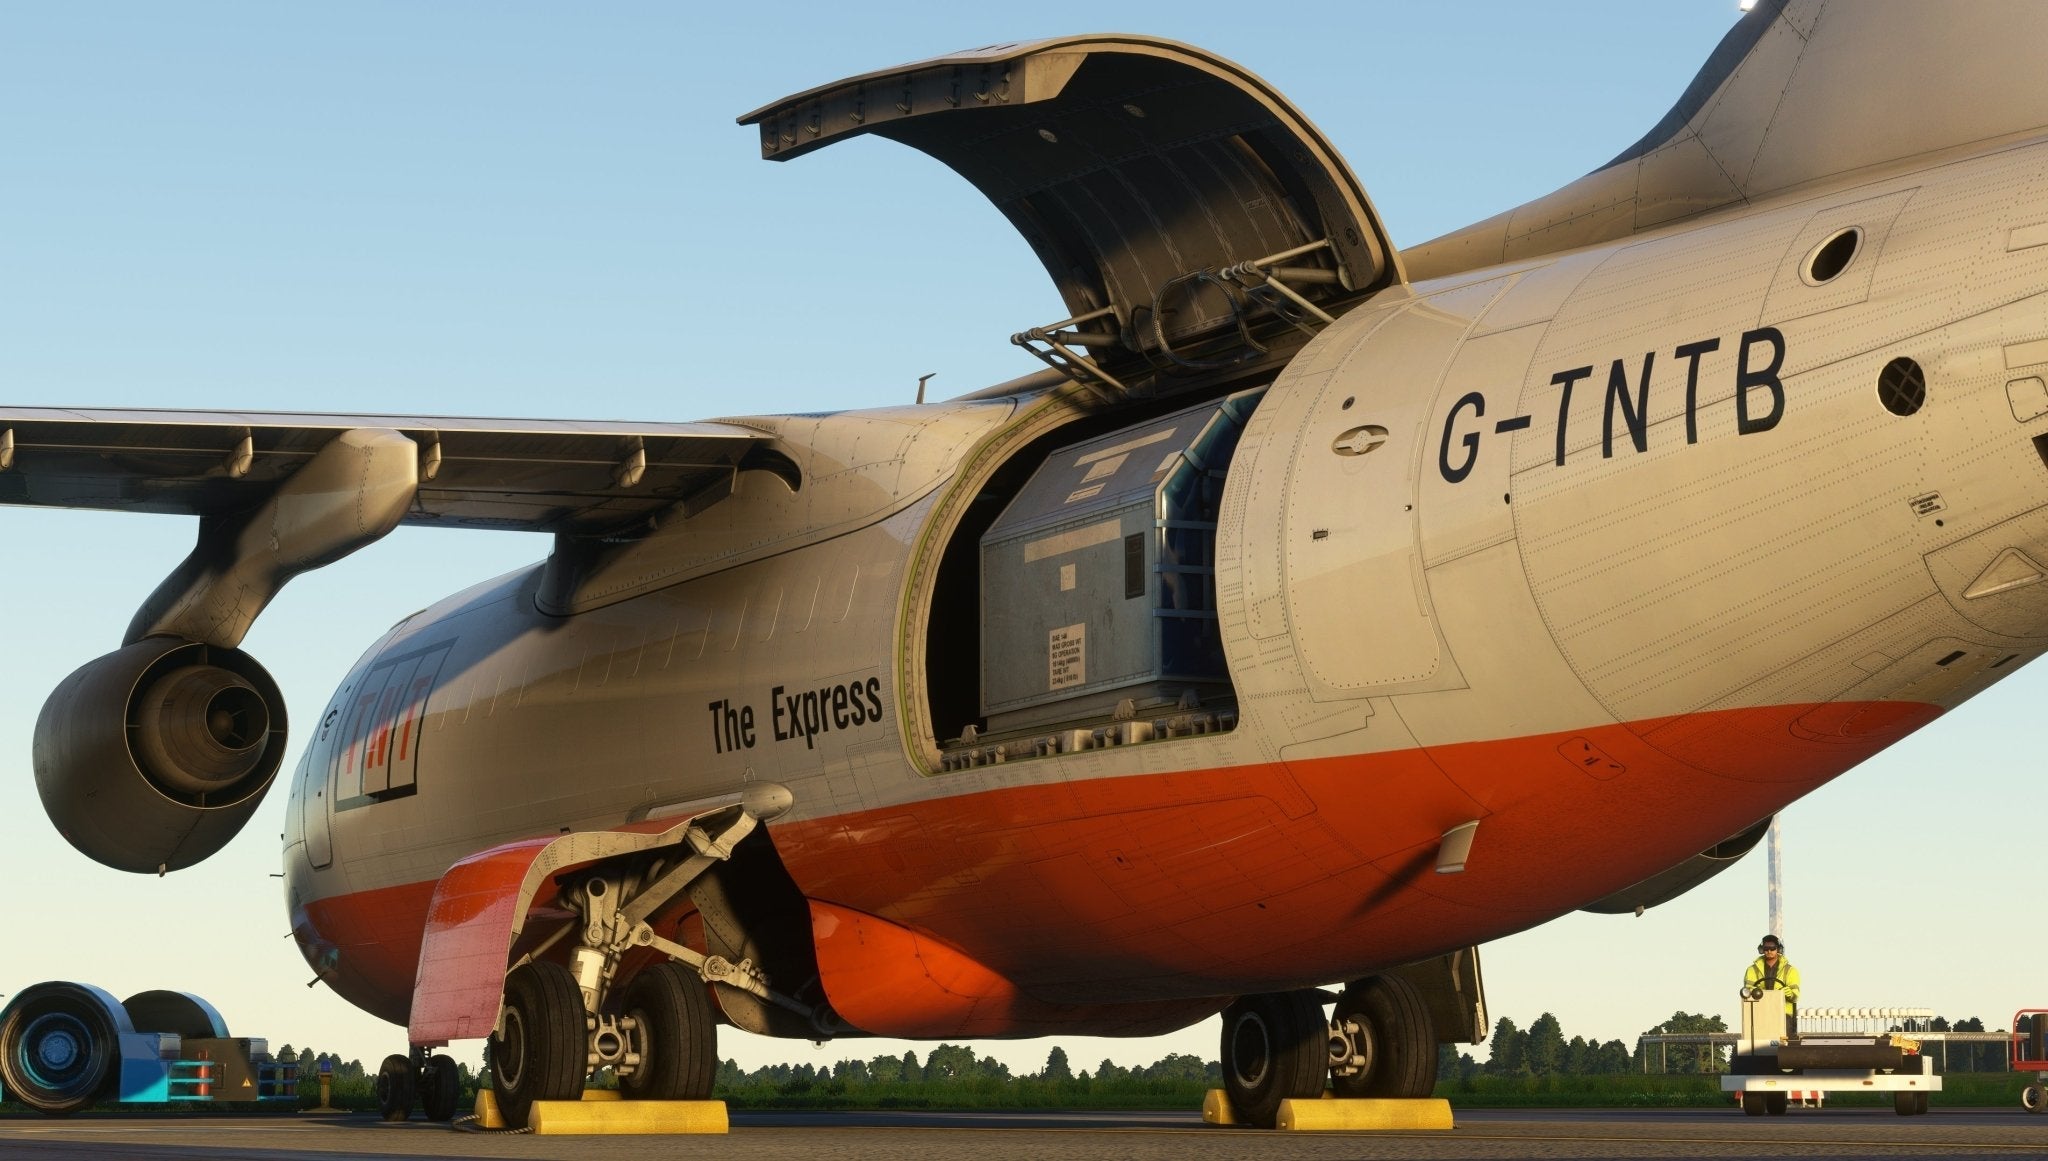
<point x="1320" y="612"/>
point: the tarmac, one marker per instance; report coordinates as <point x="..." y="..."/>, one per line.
<point x="1142" y="1136"/>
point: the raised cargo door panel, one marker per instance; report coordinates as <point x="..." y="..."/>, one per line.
<point x="1134" y="167"/>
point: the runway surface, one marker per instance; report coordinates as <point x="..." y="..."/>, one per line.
<point x="1167" y="1136"/>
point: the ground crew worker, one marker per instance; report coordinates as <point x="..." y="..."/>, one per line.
<point x="1772" y="972"/>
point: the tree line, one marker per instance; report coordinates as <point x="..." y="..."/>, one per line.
<point x="1539" y="1050"/>
<point x="959" y="1064"/>
<point x="1542" y="1050"/>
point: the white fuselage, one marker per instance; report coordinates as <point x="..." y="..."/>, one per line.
<point x="1615" y="550"/>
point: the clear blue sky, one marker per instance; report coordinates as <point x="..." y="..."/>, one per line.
<point x="528" y="209"/>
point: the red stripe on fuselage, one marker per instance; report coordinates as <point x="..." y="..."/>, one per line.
<point x="1257" y="878"/>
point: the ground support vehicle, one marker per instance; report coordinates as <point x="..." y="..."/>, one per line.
<point x="65" y="1046"/>
<point x="1770" y="1064"/>
<point x="2029" y="1054"/>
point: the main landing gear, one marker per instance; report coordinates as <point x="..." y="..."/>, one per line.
<point x="1379" y="1042"/>
<point x="561" y="1017"/>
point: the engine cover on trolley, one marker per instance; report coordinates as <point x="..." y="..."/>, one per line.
<point x="1098" y="580"/>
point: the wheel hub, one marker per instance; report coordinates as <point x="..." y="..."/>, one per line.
<point x="1351" y="1047"/>
<point x="56" y="1048"/>
<point x="1251" y="1050"/>
<point x="508" y="1057"/>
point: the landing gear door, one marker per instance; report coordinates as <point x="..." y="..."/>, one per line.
<point x="1453" y="992"/>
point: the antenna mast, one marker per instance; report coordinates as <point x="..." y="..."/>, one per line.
<point x="1776" y="868"/>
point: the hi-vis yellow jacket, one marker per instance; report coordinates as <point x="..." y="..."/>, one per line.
<point x="1786" y="981"/>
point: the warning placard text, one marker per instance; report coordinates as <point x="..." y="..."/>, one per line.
<point x="1068" y="653"/>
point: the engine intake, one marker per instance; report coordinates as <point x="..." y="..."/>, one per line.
<point x="151" y="758"/>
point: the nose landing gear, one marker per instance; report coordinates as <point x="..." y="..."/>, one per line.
<point x="432" y="1082"/>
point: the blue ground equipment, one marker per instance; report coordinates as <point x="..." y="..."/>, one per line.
<point x="65" y="1046"/>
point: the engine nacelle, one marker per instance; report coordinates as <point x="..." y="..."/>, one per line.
<point x="151" y="758"/>
<point x="1667" y="885"/>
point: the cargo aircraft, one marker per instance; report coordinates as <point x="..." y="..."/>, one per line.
<point x="1319" y="612"/>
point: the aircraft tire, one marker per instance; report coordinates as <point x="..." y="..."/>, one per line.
<point x="440" y="1088"/>
<point x="58" y="1044"/>
<point x="395" y="1088"/>
<point x="1275" y="1048"/>
<point x="1402" y="1062"/>
<point x="678" y="1036"/>
<point x="543" y="1053"/>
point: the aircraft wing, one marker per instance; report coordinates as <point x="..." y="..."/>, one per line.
<point x="569" y="476"/>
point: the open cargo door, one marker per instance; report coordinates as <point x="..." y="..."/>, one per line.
<point x="1187" y="213"/>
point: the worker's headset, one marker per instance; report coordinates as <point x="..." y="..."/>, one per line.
<point x="1757" y="993"/>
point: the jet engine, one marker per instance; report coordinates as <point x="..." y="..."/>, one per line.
<point x="152" y="757"/>
<point x="1669" y="884"/>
